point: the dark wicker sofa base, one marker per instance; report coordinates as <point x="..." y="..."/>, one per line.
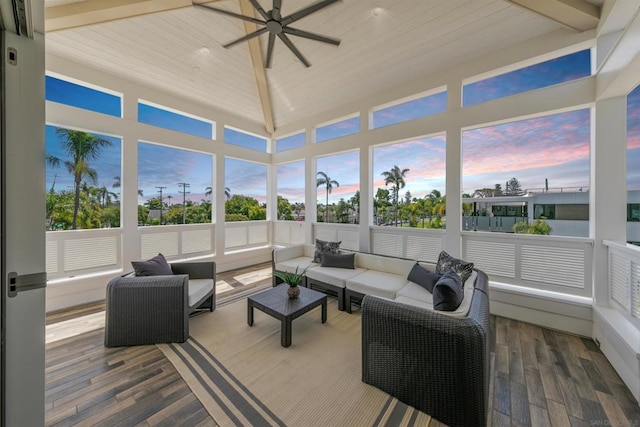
<point x="436" y="363"/>
<point x="334" y="291"/>
<point x="352" y="297"/>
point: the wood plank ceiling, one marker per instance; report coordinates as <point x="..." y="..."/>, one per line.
<point x="176" y="47"/>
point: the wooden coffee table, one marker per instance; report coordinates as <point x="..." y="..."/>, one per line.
<point x="276" y="303"/>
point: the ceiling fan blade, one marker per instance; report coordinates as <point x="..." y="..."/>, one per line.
<point x="312" y="36"/>
<point x="272" y="40"/>
<point x="306" y="11"/>
<point x="293" y="49"/>
<point x="226" y="12"/>
<point x="260" y="10"/>
<point x="247" y="37"/>
<point x="276" y="11"/>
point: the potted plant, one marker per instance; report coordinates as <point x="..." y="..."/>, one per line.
<point x="291" y="279"/>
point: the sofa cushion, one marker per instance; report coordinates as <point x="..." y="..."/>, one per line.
<point x="416" y="292"/>
<point x="290" y="265"/>
<point x="198" y="288"/>
<point x="416" y="295"/>
<point x="447" y="262"/>
<point x="332" y="275"/>
<point x="338" y="260"/>
<point x="377" y="283"/>
<point x="323" y="247"/>
<point x="423" y="277"/>
<point x="156" y="266"/>
<point x="447" y="292"/>
<point x="384" y="264"/>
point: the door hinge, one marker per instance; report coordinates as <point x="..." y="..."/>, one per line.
<point x="26" y="282"/>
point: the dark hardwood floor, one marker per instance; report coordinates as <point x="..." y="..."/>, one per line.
<point x="540" y="377"/>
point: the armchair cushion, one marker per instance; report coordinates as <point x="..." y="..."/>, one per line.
<point x="156" y="266"/>
<point x="423" y="277"/>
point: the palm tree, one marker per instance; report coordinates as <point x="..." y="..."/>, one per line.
<point x="329" y="184"/>
<point x="81" y="147"/>
<point x="227" y="193"/>
<point x="117" y="184"/>
<point x="395" y="176"/>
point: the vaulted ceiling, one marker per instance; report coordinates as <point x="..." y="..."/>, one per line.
<point x="175" y="46"/>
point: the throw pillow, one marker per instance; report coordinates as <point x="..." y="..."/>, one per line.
<point x="446" y="262"/>
<point x="447" y="292"/>
<point x="156" y="266"/>
<point x="338" y="260"/>
<point x="423" y="277"/>
<point x="323" y="247"/>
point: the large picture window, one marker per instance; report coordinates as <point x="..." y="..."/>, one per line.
<point x="290" y="184"/>
<point x="633" y="165"/>
<point x="245" y="189"/>
<point x="338" y="188"/>
<point x="82" y="178"/>
<point x="409" y="183"/>
<point x="174" y="185"/>
<point x="539" y="162"/>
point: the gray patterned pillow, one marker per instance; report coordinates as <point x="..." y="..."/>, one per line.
<point x="446" y="262"/>
<point x="323" y="247"/>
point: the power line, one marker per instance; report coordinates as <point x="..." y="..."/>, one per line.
<point x="184" y="192"/>
<point x="160" y="188"/>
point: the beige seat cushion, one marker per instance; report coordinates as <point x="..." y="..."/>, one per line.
<point x="333" y="276"/>
<point x="291" y="264"/>
<point x="377" y="283"/>
<point x="198" y="288"/>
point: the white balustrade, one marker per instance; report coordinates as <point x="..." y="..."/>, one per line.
<point x="414" y="243"/>
<point x="624" y="279"/>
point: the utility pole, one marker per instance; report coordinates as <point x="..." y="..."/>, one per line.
<point x="160" y="191"/>
<point x="184" y="192"/>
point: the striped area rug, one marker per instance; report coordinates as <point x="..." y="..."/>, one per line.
<point x="244" y="377"/>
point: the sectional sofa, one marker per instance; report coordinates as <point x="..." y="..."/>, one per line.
<point x="435" y="361"/>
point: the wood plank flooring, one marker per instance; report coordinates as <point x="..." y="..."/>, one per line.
<point x="540" y="377"/>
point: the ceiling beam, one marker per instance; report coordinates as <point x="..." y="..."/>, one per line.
<point x="578" y="15"/>
<point x="258" y="66"/>
<point x="88" y="12"/>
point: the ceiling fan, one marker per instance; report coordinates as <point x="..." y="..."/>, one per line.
<point x="277" y="25"/>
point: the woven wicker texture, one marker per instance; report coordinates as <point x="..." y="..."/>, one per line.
<point x="435" y="363"/>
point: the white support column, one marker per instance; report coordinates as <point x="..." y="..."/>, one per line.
<point x="219" y="200"/>
<point x="608" y="189"/>
<point x="452" y="242"/>
<point x="131" y="245"/>
<point x="310" y="203"/>
<point x="366" y="202"/>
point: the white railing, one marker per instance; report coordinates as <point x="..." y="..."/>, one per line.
<point x="246" y="234"/>
<point x="414" y="243"/>
<point x="78" y="252"/>
<point x="348" y="234"/>
<point x="177" y="240"/>
<point x="624" y="278"/>
<point x="289" y="232"/>
<point x="559" y="264"/>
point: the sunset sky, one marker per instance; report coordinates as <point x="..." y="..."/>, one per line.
<point x="555" y="147"/>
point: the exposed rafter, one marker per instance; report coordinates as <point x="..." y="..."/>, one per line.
<point x="578" y="15"/>
<point x="258" y="66"/>
<point x="88" y="12"/>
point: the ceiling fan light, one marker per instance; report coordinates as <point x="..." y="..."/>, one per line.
<point x="377" y="11"/>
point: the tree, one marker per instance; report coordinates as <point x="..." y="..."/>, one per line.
<point x="513" y="188"/>
<point x="117" y="184"/>
<point x="355" y="203"/>
<point x="297" y="208"/>
<point x="284" y="209"/>
<point x="539" y="226"/>
<point x="239" y="206"/>
<point x="380" y="205"/>
<point x="395" y="176"/>
<point x="82" y="147"/>
<point x="329" y="184"/>
<point x="227" y="193"/>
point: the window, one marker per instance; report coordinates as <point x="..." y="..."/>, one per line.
<point x="80" y="96"/>
<point x="548" y="73"/>
<point x="633" y="165"/>
<point x="91" y="159"/>
<point x="409" y="183"/>
<point x="545" y="157"/>
<point x="246" y="190"/>
<point x="166" y="118"/>
<point x="290" y="182"/>
<point x="633" y="212"/>
<point x="244" y="139"/>
<point x="174" y="185"/>
<point x="409" y="110"/>
<point x="338" y="129"/>
<point x="290" y="142"/>
<point x="338" y="187"/>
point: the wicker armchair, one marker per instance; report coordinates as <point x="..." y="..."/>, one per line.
<point x="436" y="363"/>
<point x="155" y="309"/>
